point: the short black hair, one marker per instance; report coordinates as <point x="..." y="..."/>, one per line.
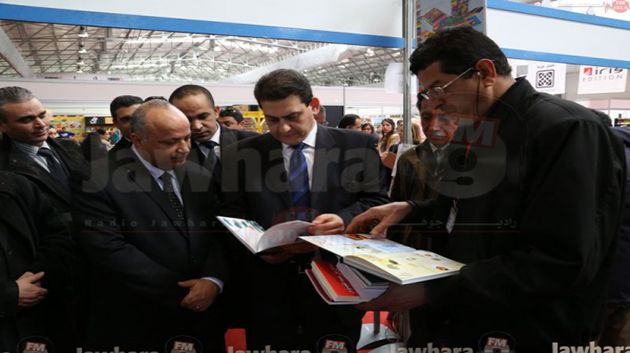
<point x="191" y="90"/>
<point x="13" y="94"/>
<point x="347" y="120"/>
<point x="233" y="112"/>
<point x="123" y="102"/>
<point x="456" y="50"/>
<point x="282" y="83"/>
<point x="150" y="98"/>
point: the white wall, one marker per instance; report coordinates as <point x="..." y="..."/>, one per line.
<point x="93" y="98"/>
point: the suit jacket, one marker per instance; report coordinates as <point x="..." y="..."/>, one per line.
<point x="347" y="180"/>
<point x="32" y="238"/>
<point x="139" y="251"/>
<point x="68" y="151"/>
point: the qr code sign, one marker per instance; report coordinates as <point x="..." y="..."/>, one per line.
<point x="544" y="78"/>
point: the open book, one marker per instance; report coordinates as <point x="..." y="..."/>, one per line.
<point x="256" y="239"/>
<point x="386" y="259"/>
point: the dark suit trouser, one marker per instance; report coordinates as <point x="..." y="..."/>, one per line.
<point x="285" y="311"/>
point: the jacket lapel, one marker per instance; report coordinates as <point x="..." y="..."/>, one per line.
<point x="324" y="171"/>
<point x="275" y="162"/>
<point x="145" y="183"/>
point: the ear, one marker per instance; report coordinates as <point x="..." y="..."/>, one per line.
<point x="315" y="104"/>
<point x="487" y="72"/>
<point x="135" y="139"/>
<point x="217" y="110"/>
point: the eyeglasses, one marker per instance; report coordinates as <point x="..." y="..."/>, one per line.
<point x="440" y="91"/>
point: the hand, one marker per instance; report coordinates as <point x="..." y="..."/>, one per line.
<point x="201" y="294"/>
<point x="326" y="223"/>
<point x="398" y="298"/>
<point x="387" y="215"/>
<point x="30" y="292"/>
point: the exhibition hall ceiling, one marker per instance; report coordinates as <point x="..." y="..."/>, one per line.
<point x="71" y="52"/>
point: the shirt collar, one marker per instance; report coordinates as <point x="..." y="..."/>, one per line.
<point x="435" y="148"/>
<point x="28" y="148"/>
<point x="310" y="138"/>
<point x="155" y="172"/>
<point x="217" y="135"/>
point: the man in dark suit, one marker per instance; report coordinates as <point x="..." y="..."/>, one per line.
<point x="27" y="150"/>
<point x="147" y="228"/>
<point x="300" y="170"/>
<point x="197" y="103"/>
<point x="53" y="165"/>
<point x="37" y="253"/>
<point x="121" y="109"/>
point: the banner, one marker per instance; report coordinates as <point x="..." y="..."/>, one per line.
<point x="547" y="77"/>
<point x="597" y="79"/>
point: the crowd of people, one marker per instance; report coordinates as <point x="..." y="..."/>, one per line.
<point x="119" y="249"/>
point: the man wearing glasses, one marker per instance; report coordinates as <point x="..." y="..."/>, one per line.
<point x="532" y="209"/>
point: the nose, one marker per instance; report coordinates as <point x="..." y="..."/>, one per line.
<point x="195" y="124"/>
<point x="284" y="127"/>
<point x="184" y="146"/>
<point x="39" y="122"/>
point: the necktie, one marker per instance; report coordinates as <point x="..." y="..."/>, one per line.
<point x="213" y="161"/>
<point x="298" y="181"/>
<point x="212" y="156"/>
<point x="56" y="169"/>
<point x="173" y="200"/>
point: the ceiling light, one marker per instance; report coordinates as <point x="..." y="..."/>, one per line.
<point x="80" y="62"/>
<point x="82" y="49"/>
<point x="79" y="70"/>
<point x="83" y="33"/>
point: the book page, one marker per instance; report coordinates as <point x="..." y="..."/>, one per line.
<point x="405" y="268"/>
<point x="352" y="244"/>
<point x="282" y="234"/>
<point x="248" y="232"/>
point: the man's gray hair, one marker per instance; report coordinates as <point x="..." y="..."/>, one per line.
<point x="13" y="94"/>
<point x="137" y="123"/>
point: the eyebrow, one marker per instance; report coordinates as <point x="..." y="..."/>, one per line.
<point x="42" y="113"/>
<point x="281" y="117"/>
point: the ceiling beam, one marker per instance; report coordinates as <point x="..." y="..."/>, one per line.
<point x="12" y="55"/>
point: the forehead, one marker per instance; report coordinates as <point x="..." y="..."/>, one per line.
<point x="194" y="101"/>
<point x="430" y="75"/>
<point x="282" y="107"/>
<point x="19" y="109"/>
<point x="166" y="121"/>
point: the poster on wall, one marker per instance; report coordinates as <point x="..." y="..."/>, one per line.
<point x="547" y="77"/>
<point x="434" y="15"/>
<point x="69" y="126"/>
<point x="599" y="79"/>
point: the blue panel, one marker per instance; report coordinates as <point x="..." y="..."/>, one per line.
<point x="560" y="58"/>
<point x="101" y="19"/>
<point x="558" y="14"/>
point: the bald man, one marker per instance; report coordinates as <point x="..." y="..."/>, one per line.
<point x="147" y="227"/>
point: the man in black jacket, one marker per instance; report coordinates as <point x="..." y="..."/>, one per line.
<point x="531" y="212"/>
<point x="37" y="255"/>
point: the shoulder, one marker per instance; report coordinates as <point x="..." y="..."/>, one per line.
<point x="346" y="137"/>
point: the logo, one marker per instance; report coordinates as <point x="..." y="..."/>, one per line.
<point x="35" y="345"/>
<point x="496" y="342"/>
<point x="335" y="344"/>
<point x="184" y="344"/>
<point x="620" y="6"/>
<point x="545" y="79"/>
<point x="588" y="70"/>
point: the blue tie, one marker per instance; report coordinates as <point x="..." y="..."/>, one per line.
<point x="298" y="181"/>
